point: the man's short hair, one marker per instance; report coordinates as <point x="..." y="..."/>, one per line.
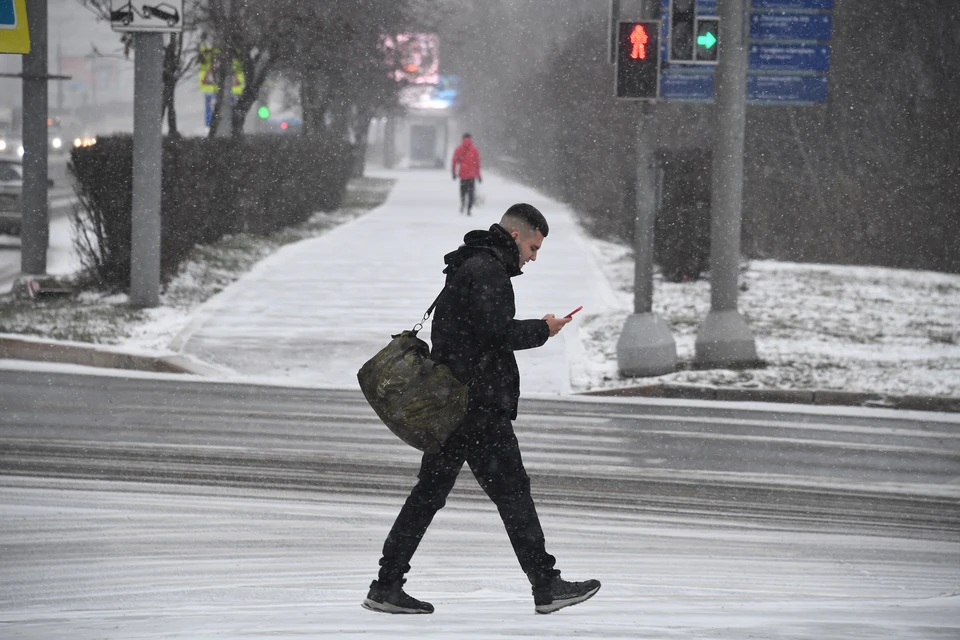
<point x="527" y="216"/>
<point x="467" y="135"/>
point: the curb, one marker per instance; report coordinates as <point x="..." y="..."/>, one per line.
<point x="822" y="397"/>
<point x="73" y="353"/>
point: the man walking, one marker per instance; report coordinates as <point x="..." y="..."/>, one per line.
<point x="475" y="333"/>
<point x="467" y="158"/>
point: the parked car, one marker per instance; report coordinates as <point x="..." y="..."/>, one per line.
<point x="11" y="195"/>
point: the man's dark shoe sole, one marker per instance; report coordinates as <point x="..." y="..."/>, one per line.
<point x="386" y="607"/>
<point x="558" y="604"/>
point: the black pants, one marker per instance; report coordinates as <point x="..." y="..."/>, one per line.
<point x="487" y="443"/>
<point x="467" y="190"/>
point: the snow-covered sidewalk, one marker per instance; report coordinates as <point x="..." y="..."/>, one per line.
<point x="315" y="311"/>
<point x="312" y="312"/>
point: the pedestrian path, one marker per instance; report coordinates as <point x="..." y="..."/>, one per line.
<point x="315" y="311"/>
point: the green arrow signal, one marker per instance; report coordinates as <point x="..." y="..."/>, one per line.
<point x="707" y="40"/>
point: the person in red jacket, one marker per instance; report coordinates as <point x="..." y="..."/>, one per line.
<point x="467" y="158"/>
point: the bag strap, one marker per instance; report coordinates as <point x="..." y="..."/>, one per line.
<point x="419" y="325"/>
<point x="484" y="361"/>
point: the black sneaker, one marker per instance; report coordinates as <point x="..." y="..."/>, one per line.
<point x="393" y="599"/>
<point x="559" y="593"/>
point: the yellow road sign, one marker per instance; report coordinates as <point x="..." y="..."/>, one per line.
<point x="14" y="35"/>
<point x="208" y="72"/>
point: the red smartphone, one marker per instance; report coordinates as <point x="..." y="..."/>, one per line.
<point x="570" y="315"/>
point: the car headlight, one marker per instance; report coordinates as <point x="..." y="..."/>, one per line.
<point x="57" y="143"/>
<point x="3" y="145"/>
<point x="20" y="150"/>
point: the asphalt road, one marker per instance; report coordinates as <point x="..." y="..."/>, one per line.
<point x="890" y="473"/>
<point x="169" y="507"/>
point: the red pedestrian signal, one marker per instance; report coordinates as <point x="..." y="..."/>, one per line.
<point x="638" y="40"/>
<point x="638" y="60"/>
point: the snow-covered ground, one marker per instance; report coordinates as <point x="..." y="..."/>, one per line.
<point x="129" y="561"/>
<point x="817" y="326"/>
<point x="864" y="329"/>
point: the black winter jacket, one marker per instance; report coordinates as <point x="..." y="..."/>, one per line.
<point x="474" y="316"/>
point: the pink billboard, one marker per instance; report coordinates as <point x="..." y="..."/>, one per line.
<point x="414" y="56"/>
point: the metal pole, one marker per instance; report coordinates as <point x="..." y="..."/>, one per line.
<point x="35" y="226"/>
<point x="225" y="127"/>
<point x="645" y="347"/>
<point x="389" y="142"/>
<point x="147" y="170"/>
<point x="724" y="337"/>
<point x="59" y="72"/>
<point x="644" y="224"/>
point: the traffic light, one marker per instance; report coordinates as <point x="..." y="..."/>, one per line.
<point x="683" y="16"/>
<point x="708" y="38"/>
<point x="638" y="60"/>
<point x="263" y="112"/>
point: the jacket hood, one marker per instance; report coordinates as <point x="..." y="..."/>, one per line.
<point x="496" y="240"/>
<point x="467" y="142"/>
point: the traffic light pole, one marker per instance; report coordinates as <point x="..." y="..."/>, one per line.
<point x="147" y="170"/>
<point x="724" y="338"/>
<point x="35" y="226"/>
<point x="645" y="347"/>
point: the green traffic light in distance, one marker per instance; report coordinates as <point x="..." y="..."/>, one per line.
<point x="263" y="112"/>
<point x="707" y="40"/>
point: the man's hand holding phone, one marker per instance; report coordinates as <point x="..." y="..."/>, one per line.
<point x="556" y="323"/>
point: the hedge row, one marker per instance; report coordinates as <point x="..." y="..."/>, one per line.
<point x="211" y="188"/>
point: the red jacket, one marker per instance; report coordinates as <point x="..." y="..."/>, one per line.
<point x="468" y="157"/>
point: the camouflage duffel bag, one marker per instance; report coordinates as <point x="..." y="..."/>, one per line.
<point x="419" y="401"/>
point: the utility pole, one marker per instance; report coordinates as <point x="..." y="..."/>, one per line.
<point x="35" y="228"/>
<point x="645" y="347"/>
<point x="724" y="338"/>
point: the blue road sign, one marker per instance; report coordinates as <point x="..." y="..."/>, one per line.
<point x="8" y="17"/>
<point x="786" y="89"/>
<point x="814" y="5"/>
<point x="815" y="27"/>
<point x="789" y="57"/>
<point x="694" y="87"/>
<point x="762" y="88"/>
<point x="209" y="99"/>
<point x="704" y="7"/>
